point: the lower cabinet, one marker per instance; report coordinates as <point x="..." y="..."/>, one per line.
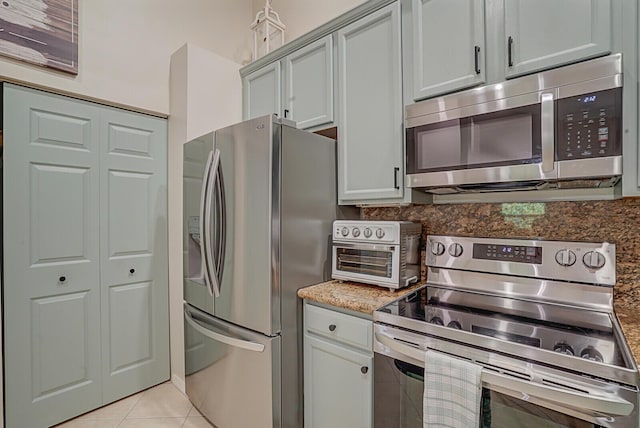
<point x="338" y="369"/>
<point x="85" y="283"/>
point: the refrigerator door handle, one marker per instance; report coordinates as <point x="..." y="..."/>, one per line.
<point x="221" y="226"/>
<point x="215" y="164"/>
<point x="204" y="238"/>
<point x="229" y="340"/>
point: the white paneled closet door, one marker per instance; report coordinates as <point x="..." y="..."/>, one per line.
<point x="51" y="293"/>
<point x="133" y="252"/>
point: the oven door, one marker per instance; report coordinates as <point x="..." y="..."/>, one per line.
<point x="505" y="141"/>
<point x="508" y="399"/>
<point x="369" y="263"/>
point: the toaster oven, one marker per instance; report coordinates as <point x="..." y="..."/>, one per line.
<point x="382" y="253"/>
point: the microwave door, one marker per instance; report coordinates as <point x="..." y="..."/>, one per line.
<point x="510" y="145"/>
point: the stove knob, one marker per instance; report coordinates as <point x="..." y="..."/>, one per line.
<point x="565" y="257"/>
<point x="593" y="260"/>
<point x="436" y="320"/>
<point x="367" y="232"/>
<point x="589" y="353"/>
<point x="355" y="232"/>
<point x="437" y="248"/>
<point x="344" y="231"/>
<point x="563" y="348"/>
<point x="379" y="233"/>
<point x="455" y="250"/>
<point x="455" y="324"/>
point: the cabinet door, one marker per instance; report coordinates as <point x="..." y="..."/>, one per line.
<point x="446" y="60"/>
<point x="338" y="388"/>
<point x="545" y="33"/>
<point x="370" y="129"/>
<point x="51" y="265"/>
<point x="133" y="241"/>
<point x="261" y="92"/>
<point x="308" y="89"/>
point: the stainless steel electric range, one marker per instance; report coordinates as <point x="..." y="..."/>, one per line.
<point x="536" y="315"/>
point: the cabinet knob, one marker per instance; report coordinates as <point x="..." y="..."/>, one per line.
<point x="132" y="271"/>
<point x="62" y="279"/>
<point x="332" y="327"/>
<point x="364" y="369"/>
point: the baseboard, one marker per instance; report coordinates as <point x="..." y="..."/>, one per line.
<point x="178" y="382"/>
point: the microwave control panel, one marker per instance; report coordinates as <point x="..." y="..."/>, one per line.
<point x="588" y="126"/>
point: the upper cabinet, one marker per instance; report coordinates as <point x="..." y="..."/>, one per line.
<point x="497" y="40"/>
<point x="308" y="84"/>
<point x="542" y="34"/>
<point x="261" y="92"/>
<point x="445" y="60"/>
<point x="299" y="87"/>
<point x="370" y="132"/>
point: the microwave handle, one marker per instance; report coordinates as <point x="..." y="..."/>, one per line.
<point x="547" y="131"/>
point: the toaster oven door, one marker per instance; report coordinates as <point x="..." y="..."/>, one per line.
<point x="369" y="263"/>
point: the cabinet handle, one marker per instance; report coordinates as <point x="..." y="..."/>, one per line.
<point x="286" y="113"/>
<point x="510" y="50"/>
<point x="364" y="369"/>
<point x="477" y="59"/>
<point x="396" y="170"/>
<point x="62" y="279"/>
<point x="132" y="271"/>
<point x="332" y="327"/>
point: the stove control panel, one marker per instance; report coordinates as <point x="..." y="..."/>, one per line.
<point x="584" y="262"/>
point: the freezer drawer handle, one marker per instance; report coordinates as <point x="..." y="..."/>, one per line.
<point x="231" y="341"/>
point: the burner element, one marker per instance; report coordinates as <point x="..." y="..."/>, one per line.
<point x="563" y="348"/>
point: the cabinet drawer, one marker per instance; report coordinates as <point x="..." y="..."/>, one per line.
<point x="340" y="327"/>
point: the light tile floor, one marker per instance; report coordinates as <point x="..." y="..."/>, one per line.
<point x="162" y="406"/>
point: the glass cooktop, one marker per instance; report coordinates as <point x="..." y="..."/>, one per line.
<point x="570" y="331"/>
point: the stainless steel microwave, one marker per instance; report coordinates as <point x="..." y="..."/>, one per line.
<point x="557" y="128"/>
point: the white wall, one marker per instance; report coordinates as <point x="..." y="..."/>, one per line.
<point x="125" y="46"/>
<point x="302" y="16"/>
<point x="206" y="94"/>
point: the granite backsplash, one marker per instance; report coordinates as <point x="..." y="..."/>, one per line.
<point x="616" y="222"/>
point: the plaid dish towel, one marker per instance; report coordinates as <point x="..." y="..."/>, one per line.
<point x="452" y="392"/>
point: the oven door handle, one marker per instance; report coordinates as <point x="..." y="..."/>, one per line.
<point x="607" y="404"/>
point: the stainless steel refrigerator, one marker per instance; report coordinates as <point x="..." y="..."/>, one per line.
<point x="259" y="202"/>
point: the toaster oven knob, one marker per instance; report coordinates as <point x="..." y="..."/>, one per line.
<point x="355" y="232"/>
<point x="437" y="248"/>
<point x="344" y="231"/>
<point x="379" y="233"/>
<point x="589" y="353"/>
<point x="565" y="257"/>
<point x="367" y="232"/>
<point x="563" y="348"/>
<point x="455" y="250"/>
<point x="593" y="260"/>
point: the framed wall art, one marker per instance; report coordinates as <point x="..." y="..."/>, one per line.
<point x="43" y="32"/>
